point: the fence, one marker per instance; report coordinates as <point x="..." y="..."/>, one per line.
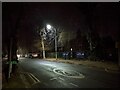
<point x="67" y="55"/>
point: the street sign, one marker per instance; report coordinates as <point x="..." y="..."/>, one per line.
<point x="11" y="62"/>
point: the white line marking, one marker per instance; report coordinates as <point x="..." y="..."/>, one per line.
<point x="35" y="83"/>
<point x="61" y="79"/>
<point x="53" y="78"/>
<point x="74" y="84"/>
<point x="34" y="77"/>
<point x="80" y="76"/>
<point x="35" y="80"/>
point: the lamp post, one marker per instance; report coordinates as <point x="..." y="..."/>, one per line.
<point x="50" y="27"/>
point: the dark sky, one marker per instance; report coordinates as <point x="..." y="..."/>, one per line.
<point x="25" y="17"/>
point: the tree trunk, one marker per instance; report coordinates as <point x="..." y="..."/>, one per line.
<point x="43" y="47"/>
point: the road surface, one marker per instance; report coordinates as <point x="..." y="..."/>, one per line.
<point x="62" y="75"/>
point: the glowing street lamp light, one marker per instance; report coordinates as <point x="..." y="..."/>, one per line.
<point x="48" y="26"/>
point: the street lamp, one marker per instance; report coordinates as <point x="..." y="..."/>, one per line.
<point x="50" y="27"/>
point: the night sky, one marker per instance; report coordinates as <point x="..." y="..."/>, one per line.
<point x="22" y="18"/>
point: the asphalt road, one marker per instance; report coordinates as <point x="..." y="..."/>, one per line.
<point x="63" y="75"/>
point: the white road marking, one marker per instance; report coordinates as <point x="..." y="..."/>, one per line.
<point x="80" y="76"/>
<point x="35" y="83"/>
<point x="34" y="77"/>
<point x="61" y="79"/>
<point x="53" y="78"/>
<point x="74" y="84"/>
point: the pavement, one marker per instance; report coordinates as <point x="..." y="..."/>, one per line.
<point x="17" y="80"/>
<point x="23" y="80"/>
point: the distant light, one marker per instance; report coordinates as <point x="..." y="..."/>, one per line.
<point x="34" y="55"/>
<point x="71" y="49"/>
<point x="83" y="54"/>
<point x="18" y="55"/>
<point x="48" y="26"/>
<point x="26" y="55"/>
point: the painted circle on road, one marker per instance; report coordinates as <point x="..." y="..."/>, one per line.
<point x="68" y="73"/>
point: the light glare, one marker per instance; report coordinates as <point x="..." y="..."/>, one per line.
<point x="48" y="26"/>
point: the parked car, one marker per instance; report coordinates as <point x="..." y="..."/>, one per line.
<point x="32" y="55"/>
